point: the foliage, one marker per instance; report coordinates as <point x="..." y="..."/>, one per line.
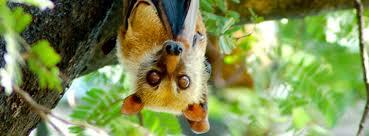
<point x="313" y="75"/>
<point x="42" y="58"/>
<point x="327" y="61"/>
<point x="302" y="84"/>
<point x="220" y="22"/>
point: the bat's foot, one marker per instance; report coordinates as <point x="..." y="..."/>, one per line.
<point x="199" y="127"/>
<point x="132" y="105"/>
<point x="197" y="117"/>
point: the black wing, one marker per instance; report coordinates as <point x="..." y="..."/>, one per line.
<point x="175" y="12"/>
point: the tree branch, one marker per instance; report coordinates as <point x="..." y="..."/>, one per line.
<point x="78" y="30"/>
<point x="365" y="63"/>
<point x="277" y="9"/>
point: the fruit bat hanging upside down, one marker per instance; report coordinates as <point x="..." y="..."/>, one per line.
<point x="162" y="44"/>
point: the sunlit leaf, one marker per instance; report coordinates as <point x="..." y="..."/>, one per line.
<point x="22" y="19"/>
<point x="42" y="61"/>
<point x="300" y="117"/>
<point x="46" y="53"/>
<point x="221" y="5"/>
<point x="77" y="130"/>
<point x="205" y="5"/>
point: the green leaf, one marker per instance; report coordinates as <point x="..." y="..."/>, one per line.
<point x="76" y="130"/>
<point x="224" y="45"/>
<point x="42" y="61"/>
<point x="221" y="5"/>
<point x="300" y="117"/>
<point x="6" y="18"/>
<point x="233" y="14"/>
<point x="228" y="25"/>
<point x="206" y="6"/>
<point x="22" y="19"/>
<point x="47" y="77"/>
<point x="229" y="59"/>
<point x="45" y="53"/>
<point x="247" y="42"/>
<point x="161" y="123"/>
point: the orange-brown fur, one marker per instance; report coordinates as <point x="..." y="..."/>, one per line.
<point x="140" y="45"/>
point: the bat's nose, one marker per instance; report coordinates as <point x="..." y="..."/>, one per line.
<point x="173" y="48"/>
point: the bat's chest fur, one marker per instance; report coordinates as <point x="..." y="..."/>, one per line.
<point x="168" y="103"/>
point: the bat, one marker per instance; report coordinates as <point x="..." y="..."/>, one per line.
<point x="162" y="44"/>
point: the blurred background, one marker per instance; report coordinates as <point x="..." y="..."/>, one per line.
<point x="299" y="76"/>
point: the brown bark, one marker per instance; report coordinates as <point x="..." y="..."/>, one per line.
<point x="83" y="33"/>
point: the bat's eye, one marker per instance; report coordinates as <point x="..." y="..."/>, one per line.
<point x="153" y="77"/>
<point x="183" y="82"/>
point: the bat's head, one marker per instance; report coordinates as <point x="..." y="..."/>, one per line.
<point x="166" y="61"/>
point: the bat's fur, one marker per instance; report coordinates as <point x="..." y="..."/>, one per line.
<point x="141" y="49"/>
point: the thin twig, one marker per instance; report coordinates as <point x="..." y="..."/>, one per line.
<point x="44" y="112"/>
<point x="35" y="106"/>
<point x="365" y="63"/>
<point x="80" y="124"/>
<point x="248" y="34"/>
<point x="60" y="119"/>
<point x="23" y="42"/>
<point x="56" y="127"/>
<point x="243" y="36"/>
<point x="39" y="109"/>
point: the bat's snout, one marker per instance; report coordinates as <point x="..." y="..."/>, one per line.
<point x="172" y="54"/>
<point x="173" y="48"/>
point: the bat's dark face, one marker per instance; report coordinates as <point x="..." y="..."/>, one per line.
<point x="169" y="73"/>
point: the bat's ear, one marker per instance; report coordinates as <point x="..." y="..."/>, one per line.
<point x="132" y="105"/>
<point x="199" y="127"/>
<point x="196" y="112"/>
